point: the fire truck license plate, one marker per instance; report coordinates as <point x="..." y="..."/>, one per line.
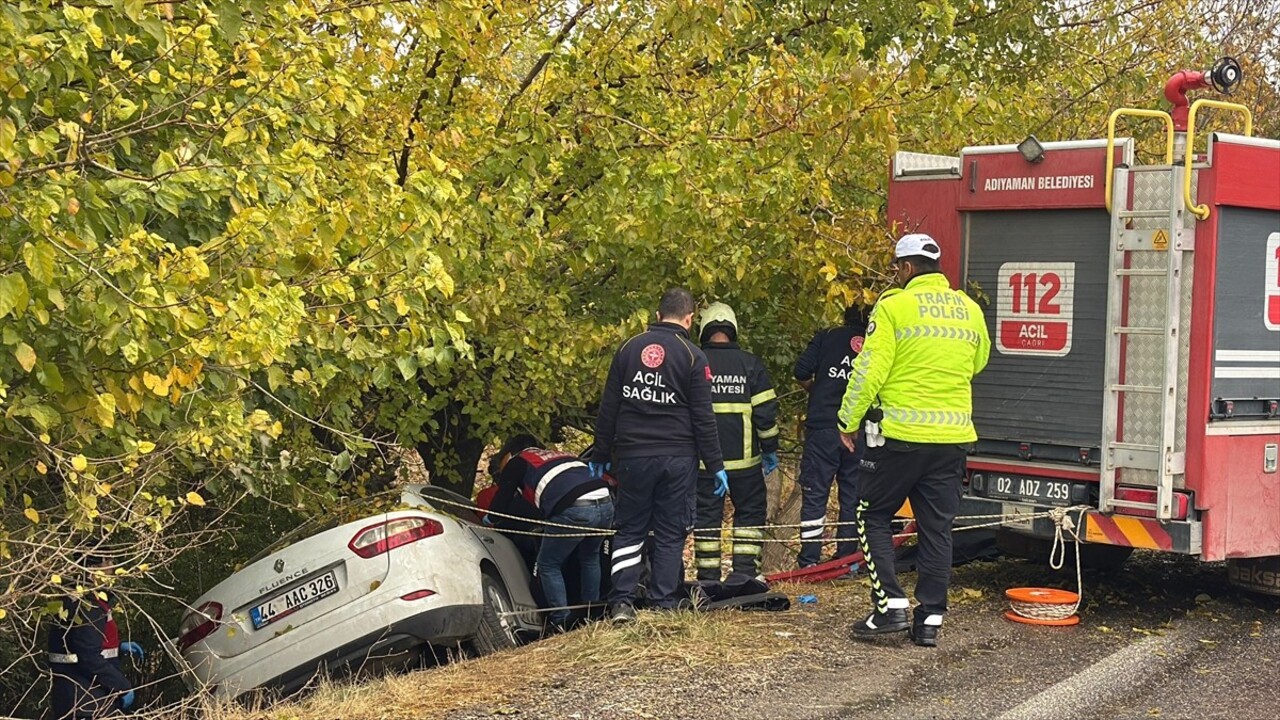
<point x="290" y="602"/>
<point x="1037" y="490"/>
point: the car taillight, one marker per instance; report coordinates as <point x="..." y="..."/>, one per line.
<point x="377" y="539"/>
<point x="198" y="624"/>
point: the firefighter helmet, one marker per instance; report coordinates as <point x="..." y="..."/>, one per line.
<point x="717" y="317"/>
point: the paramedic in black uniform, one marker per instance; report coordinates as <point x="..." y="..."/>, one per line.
<point x="654" y="425"/>
<point x="823" y="370"/>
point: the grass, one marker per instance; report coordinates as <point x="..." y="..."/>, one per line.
<point x="657" y="641"/>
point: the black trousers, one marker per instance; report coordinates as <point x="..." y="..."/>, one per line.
<point x="750" y="506"/>
<point x="930" y="476"/>
<point x="824" y="459"/>
<point x="655" y="494"/>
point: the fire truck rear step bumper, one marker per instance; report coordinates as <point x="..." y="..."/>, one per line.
<point x="1179" y="536"/>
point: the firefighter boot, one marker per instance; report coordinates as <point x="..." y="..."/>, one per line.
<point x="924" y="631"/>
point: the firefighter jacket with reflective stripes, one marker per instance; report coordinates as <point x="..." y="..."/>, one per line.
<point x="657" y="400"/>
<point x="923" y="346"/>
<point x="828" y="361"/>
<point x="84" y="646"/>
<point x="547" y="479"/>
<point x="745" y="404"/>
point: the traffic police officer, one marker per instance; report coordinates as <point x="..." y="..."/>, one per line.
<point x="823" y="369"/>
<point x="563" y="491"/>
<point x="84" y="650"/>
<point x="911" y="389"/>
<point x="746" y="408"/>
<point x="656" y="421"/>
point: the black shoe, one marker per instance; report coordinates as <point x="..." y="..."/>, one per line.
<point x="924" y="635"/>
<point x="892" y="621"/>
<point x="622" y="613"/>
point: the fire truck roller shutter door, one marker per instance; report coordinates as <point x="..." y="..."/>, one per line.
<point x="1246" y="336"/>
<point x="1045" y="274"/>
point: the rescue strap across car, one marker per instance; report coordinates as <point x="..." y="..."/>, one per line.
<point x="997" y="520"/>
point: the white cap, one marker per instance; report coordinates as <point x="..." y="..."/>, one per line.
<point x="917" y="244"/>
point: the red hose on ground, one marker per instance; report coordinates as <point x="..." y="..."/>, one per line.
<point x="832" y="569"/>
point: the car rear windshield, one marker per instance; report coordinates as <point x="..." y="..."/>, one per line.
<point x="344" y="512"/>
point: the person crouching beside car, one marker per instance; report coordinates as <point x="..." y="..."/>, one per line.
<point x="571" y="501"/>
<point x="84" y="651"/>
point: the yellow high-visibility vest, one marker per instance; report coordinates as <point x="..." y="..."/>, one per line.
<point x="923" y="346"/>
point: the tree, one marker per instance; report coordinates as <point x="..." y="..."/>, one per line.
<point x="262" y="247"/>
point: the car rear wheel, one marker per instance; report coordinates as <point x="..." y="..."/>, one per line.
<point x="497" y="629"/>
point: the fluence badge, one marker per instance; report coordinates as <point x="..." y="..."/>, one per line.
<point x="653" y="355"/>
<point x="856" y="342"/>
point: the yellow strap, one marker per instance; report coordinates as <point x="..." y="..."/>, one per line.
<point x="731" y="408"/>
<point x="763" y="397"/>
<point x="771" y="432"/>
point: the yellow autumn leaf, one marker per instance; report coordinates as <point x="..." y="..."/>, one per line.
<point x="3" y="613"/>
<point x="41" y="467"/>
<point x="31" y="515"/>
<point x="195" y="499"/>
<point x="146" y="446"/>
<point x="26" y="356"/>
<point x="79" y="462"/>
<point x="56" y="579"/>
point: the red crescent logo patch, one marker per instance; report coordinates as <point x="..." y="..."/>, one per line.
<point x="653" y="355"/>
<point x="856" y="343"/>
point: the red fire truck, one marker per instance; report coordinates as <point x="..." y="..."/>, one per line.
<point x="1134" y="312"/>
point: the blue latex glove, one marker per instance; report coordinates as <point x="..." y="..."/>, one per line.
<point x="722" y="483"/>
<point x="597" y="470"/>
<point x="770" y="462"/>
<point x="133" y="648"/>
<point x="126" y="702"/>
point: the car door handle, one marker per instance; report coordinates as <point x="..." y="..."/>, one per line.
<point x="488" y="540"/>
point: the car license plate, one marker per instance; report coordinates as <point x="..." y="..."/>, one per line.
<point x="1027" y="489"/>
<point x="286" y="604"/>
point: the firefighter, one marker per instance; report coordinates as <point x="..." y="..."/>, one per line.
<point x="746" y="408"/>
<point x="655" y="422"/>
<point x="84" y="657"/>
<point x="565" y="494"/>
<point x="823" y="370"/>
<point x="911" y="390"/>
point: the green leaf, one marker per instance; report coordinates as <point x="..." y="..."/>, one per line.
<point x="13" y="295"/>
<point x="45" y="416"/>
<point x="408" y="365"/>
<point x="39" y="259"/>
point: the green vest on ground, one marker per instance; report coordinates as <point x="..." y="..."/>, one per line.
<point x="923" y="346"/>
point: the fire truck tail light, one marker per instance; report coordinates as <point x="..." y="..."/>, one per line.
<point x="1181" y="502"/>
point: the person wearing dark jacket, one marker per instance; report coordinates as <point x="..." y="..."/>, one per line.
<point x="654" y="424"/>
<point x="746" y="407"/>
<point x="84" y="649"/>
<point x="565" y="494"/>
<point x="823" y="369"/>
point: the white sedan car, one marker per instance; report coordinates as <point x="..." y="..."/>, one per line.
<point x="358" y="589"/>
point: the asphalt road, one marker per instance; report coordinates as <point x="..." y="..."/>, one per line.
<point x="1161" y="637"/>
